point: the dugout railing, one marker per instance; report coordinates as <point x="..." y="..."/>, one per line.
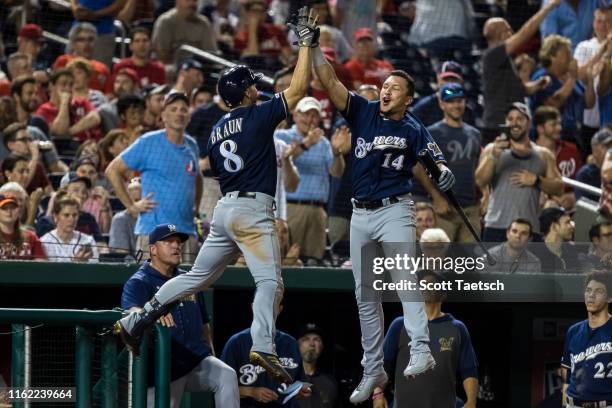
<point x="88" y="326"/>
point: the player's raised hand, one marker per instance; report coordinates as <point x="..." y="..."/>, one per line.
<point x="304" y="25"/>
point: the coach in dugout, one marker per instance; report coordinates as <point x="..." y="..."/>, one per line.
<point x="587" y="354"/>
<point x="193" y="365"/>
<point x="452" y="349"/>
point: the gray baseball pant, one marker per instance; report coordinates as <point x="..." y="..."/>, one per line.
<point x="394" y="223"/>
<point x="212" y="375"/>
<point x="246" y="225"/>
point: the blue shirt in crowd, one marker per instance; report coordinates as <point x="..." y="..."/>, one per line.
<point x="105" y="25"/>
<point x="188" y="346"/>
<point x="575" y="24"/>
<point x="313" y="166"/>
<point x="571" y="112"/>
<point x="168" y="171"/>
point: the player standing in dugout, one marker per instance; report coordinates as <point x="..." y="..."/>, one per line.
<point x="385" y="142"/>
<point x="587" y="353"/>
<point x="243" y="156"/>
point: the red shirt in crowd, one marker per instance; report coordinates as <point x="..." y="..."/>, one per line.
<point x="30" y="248"/>
<point x="5" y="88"/>
<point x="569" y="160"/>
<point x="79" y="107"/>
<point x="374" y="73"/>
<point x="271" y="38"/>
<point x="99" y="75"/>
<point x="152" y="73"/>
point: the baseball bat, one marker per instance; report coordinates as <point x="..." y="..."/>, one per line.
<point x="434" y="172"/>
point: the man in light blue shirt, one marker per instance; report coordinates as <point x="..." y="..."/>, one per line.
<point x="167" y="160"/>
<point x="316" y="159"/>
<point x="572" y="19"/>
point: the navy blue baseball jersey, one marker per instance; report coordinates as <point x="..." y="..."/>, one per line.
<point x="241" y="147"/>
<point x="450" y="345"/>
<point x="384" y="150"/>
<point x="188" y="346"/>
<point x="236" y="355"/>
<point x="587" y="355"/>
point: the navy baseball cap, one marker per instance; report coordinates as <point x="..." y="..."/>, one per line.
<point x="451" y="91"/>
<point x="163" y="231"/>
<point x="309" y="328"/>
<point x="74" y="178"/>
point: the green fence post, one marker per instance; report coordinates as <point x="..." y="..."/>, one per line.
<point x="139" y="374"/>
<point x="162" y="366"/>
<point x="83" y="367"/>
<point x="109" y="372"/>
<point x="18" y="359"/>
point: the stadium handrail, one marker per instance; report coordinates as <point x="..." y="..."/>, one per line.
<point x="582" y="186"/>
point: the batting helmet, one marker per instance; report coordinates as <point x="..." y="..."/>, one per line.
<point x="234" y="82"/>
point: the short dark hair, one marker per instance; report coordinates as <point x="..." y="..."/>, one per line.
<point x="409" y="80"/>
<point x="523" y="221"/>
<point x="601" y="276"/>
<point x="595" y="230"/>
<point x="20" y="82"/>
<point x="140" y="29"/>
<point x="127" y="101"/>
<point x="11" y="161"/>
<point x="58" y="73"/>
<point x="10" y="132"/>
<point x="545" y="113"/>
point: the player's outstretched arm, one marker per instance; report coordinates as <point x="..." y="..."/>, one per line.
<point x="304" y="24"/>
<point x="327" y="75"/>
<point x="300" y="79"/>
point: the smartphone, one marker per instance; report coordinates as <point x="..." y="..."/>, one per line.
<point x="504" y="132"/>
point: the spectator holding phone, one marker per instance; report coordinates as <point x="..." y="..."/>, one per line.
<point x="65" y="243"/>
<point x="516" y="170"/>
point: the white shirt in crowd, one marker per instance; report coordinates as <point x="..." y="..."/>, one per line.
<point x="60" y="251"/>
<point x="281" y="193"/>
<point x="585" y="50"/>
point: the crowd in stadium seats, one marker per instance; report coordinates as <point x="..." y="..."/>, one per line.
<point x="67" y="109"/>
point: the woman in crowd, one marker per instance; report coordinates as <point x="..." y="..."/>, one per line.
<point x="65" y="243"/>
<point x="16" y="242"/>
<point x="111" y="145"/>
<point x="27" y="204"/>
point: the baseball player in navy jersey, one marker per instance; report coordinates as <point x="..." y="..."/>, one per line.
<point x="242" y="156"/>
<point x="385" y="140"/>
<point x="587" y="354"/>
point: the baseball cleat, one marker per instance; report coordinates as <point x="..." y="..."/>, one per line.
<point x="366" y="387"/>
<point x="131" y="342"/>
<point x="272" y="365"/>
<point x="419" y="363"/>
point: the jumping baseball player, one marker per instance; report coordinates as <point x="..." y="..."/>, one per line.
<point x="242" y="155"/>
<point x="385" y="139"/>
<point x="587" y="354"/>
